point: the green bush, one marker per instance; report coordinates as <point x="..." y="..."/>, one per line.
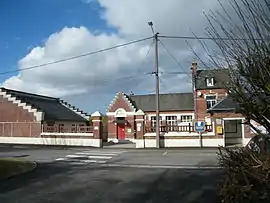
<point x="247" y="176"/>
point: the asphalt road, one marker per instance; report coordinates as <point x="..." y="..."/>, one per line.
<point x="112" y="176"/>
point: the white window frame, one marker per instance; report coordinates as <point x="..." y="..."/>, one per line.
<point x="209" y="82"/>
<point x="171" y="120"/>
<point x="186" y="120"/>
<point x="153" y="121"/>
<point x="213" y="101"/>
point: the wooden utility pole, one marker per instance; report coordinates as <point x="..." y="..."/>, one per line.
<point x="157" y="85"/>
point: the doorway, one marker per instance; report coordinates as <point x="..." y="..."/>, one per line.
<point x="121" y="135"/>
<point x="233" y="132"/>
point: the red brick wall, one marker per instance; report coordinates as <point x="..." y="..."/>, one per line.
<point x="20" y="129"/>
<point x="16" y="121"/>
<point x="10" y="112"/>
<point x="201" y="101"/>
<point x="131" y="125"/>
<point x="120" y="103"/>
<point x="111" y="127"/>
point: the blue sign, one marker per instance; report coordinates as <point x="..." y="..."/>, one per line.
<point x="199" y="126"/>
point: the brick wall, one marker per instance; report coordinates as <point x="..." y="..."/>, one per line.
<point x="10" y="112"/>
<point x="201" y="101"/>
<point x="111" y="127"/>
<point x="16" y="121"/>
<point x="20" y="129"/>
<point x="120" y="103"/>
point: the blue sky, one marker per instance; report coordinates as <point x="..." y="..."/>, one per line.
<point x="40" y="31"/>
<point x="27" y="24"/>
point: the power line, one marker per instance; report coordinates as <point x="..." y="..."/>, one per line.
<point x="206" y="38"/>
<point x="76" y="57"/>
<point x="171" y="55"/>
<point x="176" y="73"/>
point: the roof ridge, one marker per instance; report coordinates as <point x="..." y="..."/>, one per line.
<point x="33" y="94"/>
<point x="73" y="108"/>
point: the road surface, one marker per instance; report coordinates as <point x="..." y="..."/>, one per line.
<point x="114" y="175"/>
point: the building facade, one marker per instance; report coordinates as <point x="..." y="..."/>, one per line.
<point x="27" y="118"/>
<point x="133" y="117"/>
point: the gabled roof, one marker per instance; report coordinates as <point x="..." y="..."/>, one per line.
<point x="53" y="108"/>
<point x="168" y="102"/>
<point x="226" y="104"/>
<point x="221" y="78"/>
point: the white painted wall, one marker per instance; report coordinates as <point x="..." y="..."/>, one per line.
<point x="69" y="134"/>
<point x="171" y="134"/>
<point x="52" y="141"/>
<point x="139" y="143"/>
<point x="213" y="142"/>
<point x="151" y="143"/>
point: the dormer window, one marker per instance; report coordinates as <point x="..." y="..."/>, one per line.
<point x="209" y="82"/>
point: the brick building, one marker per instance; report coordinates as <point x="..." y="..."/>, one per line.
<point x="213" y="103"/>
<point x="124" y="110"/>
<point x="35" y="119"/>
<point x="178" y="112"/>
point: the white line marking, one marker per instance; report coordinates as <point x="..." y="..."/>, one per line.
<point x="60" y="159"/>
<point x="88" y="153"/>
<point x="110" y="152"/>
<point x="93" y="161"/>
<point x="78" y="163"/>
<point x="164" y="153"/>
<point x="162" y="166"/>
<point x="74" y="156"/>
<point x="99" y="157"/>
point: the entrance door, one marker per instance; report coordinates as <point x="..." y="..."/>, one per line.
<point x="233" y="132"/>
<point x="121" y="131"/>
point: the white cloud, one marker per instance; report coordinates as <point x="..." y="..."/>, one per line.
<point x="98" y="73"/>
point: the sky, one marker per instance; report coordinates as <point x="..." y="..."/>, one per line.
<point x="35" y="32"/>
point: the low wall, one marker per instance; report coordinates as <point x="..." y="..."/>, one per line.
<point x="173" y="139"/>
<point x="59" y="139"/>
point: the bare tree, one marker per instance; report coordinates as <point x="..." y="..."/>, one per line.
<point x="242" y="35"/>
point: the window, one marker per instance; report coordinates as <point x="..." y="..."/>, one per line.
<point x="153" y="121"/>
<point x="186" y="118"/>
<point x="211" y="100"/>
<point x="171" y="120"/>
<point x="50" y="123"/>
<point x="209" y="82"/>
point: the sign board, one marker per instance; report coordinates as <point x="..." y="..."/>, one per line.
<point x="219" y="130"/>
<point x="200" y="126"/>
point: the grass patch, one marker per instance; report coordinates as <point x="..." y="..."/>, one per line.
<point x="14" y="166"/>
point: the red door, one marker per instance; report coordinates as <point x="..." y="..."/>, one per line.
<point x="121" y="131"/>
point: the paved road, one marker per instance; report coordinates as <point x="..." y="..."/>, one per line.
<point x="111" y="176"/>
<point x="131" y="157"/>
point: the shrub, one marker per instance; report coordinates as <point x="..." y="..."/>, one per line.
<point x="247" y="175"/>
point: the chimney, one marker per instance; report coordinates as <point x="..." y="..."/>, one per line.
<point x="194" y="68"/>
